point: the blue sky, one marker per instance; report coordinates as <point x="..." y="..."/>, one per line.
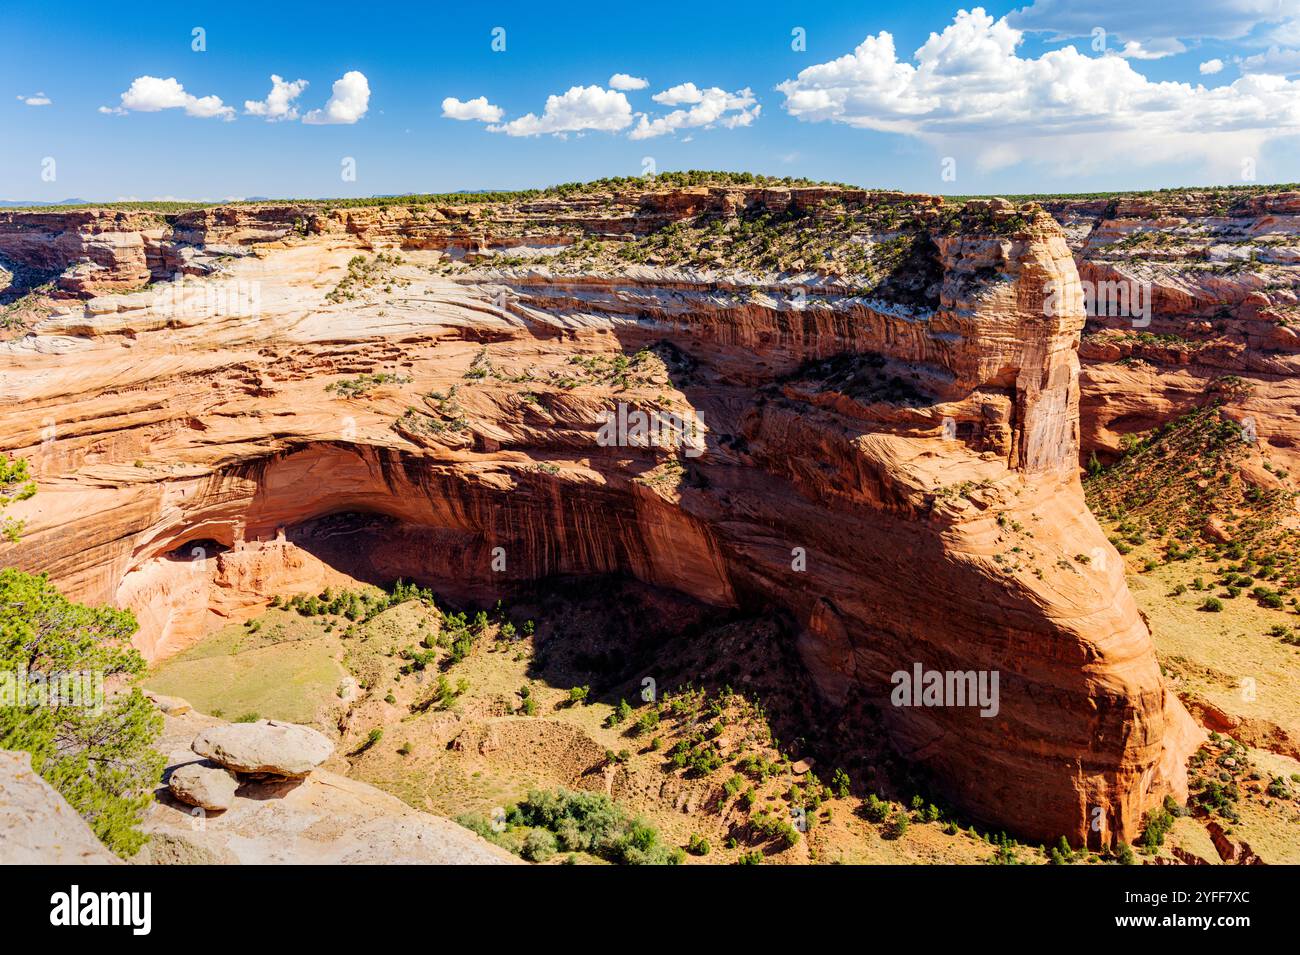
<point x="1202" y="92"/>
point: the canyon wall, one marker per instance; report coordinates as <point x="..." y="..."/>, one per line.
<point x="1220" y="278"/>
<point x="898" y="476"/>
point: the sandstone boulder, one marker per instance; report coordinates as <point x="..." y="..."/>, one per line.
<point x="204" y="785"/>
<point x="1216" y="531"/>
<point x="267" y="746"/>
<point x="349" y="690"/>
<point x="1226" y="848"/>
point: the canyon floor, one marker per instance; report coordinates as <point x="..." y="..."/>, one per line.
<point x="465" y="738"/>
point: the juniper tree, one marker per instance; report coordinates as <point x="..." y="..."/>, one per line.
<point x="99" y="758"/>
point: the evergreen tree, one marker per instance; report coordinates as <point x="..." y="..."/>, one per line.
<point x="98" y="758"/>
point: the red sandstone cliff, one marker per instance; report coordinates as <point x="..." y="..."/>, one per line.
<point x="921" y="453"/>
<point x="1224" y="316"/>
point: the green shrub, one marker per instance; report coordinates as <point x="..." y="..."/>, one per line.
<point x="648" y="721"/>
<point x="1158" y="824"/>
<point x="590" y="822"/>
<point x="16" y="484"/>
<point x="539" y="845"/>
<point x="1062" y="853"/>
<point x="373" y="737"/>
<point x="897" y="826"/>
<point x="875" y="809"/>
<point x="619" y="714"/>
<point x="840" y="783"/>
<point x="769" y="826"/>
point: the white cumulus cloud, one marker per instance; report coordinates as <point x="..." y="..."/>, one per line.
<point x="625" y="81"/>
<point x="967" y="89"/>
<point x="477" y="108"/>
<point x="279" y="103"/>
<point x="1210" y="67"/>
<point x="679" y="94"/>
<point x="1273" y="60"/>
<point x="579" y="108"/>
<point x="1155" y="26"/>
<point x="1157" y="50"/>
<point x="708" y="107"/>
<point x="348" y="101"/>
<point x="149" y="94"/>
<point x="37" y="99"/>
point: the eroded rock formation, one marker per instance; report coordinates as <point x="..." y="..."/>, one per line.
<point x="1220" y="275"/>
<point x="895" y="470"/>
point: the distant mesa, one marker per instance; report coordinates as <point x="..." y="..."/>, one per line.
<point x="22" y="203"/>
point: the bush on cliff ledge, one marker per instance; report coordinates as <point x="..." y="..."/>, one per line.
<point x="15" y="485"/>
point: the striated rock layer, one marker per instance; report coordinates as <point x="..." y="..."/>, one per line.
<point x="1220" y="275"/>
<point x="900" y="477"/>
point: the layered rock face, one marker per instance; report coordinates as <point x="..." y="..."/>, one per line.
<point x="1219" y="276"/>
<point x="898" y="474"/>
<point x="91" y="250"/>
